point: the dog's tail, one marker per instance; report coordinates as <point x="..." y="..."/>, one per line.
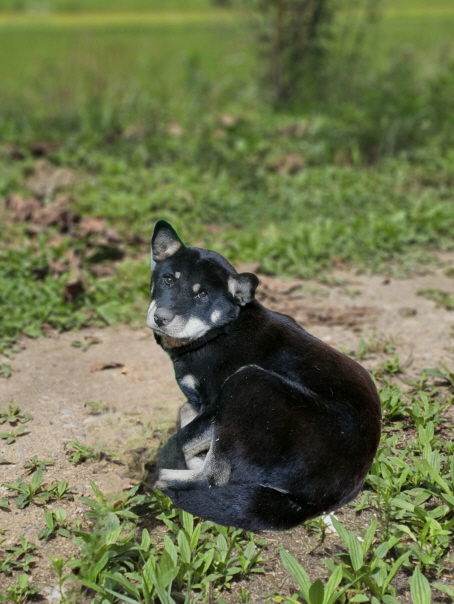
<point x="250" y="507"/>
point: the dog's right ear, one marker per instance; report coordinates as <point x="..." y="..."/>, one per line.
<point x="164" y="242"/>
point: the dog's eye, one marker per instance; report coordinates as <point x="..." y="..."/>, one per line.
<point x="203" y="295"/>
<point x="168" y="280"/>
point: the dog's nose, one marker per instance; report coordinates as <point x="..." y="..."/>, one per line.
<point x="163" y="316"/>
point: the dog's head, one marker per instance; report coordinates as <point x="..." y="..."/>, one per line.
<point x="193" y="290"/>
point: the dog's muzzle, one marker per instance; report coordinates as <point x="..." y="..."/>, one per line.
<point x="163" y="316"/>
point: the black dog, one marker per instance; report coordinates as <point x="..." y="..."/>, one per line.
<point x="278" y="427"/>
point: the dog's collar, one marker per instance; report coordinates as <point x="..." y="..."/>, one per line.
<point x="178" y="348"/>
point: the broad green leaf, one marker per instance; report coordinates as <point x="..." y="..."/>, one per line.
<point x="208" y="559"/>
<point x="146" y="540"/>
<point x="395" y="567"/>
<point x="169" y="547"/>
<point x="123" y="581"/>
<point x="97" y="568"/>
<point x="355" y="551"/>
<point x="122" y="597"/>
<point x="194" y="538"/>
<point x="49" y="518"/>
<point x="185" y="550"/>
<point x="369" y="536"/>
<point x="381" y="551"/>
<point x="297" y="572"/>
<point x="166" y="564"/>
<point x="332" y="585"/>
<point x="159" y="583"/>
<point x="420" y="588"/>
<point x="446" y="589"/>
<point x="340" y="530"/>
<point x="188" y="522"/>
<point x="221" y="543"/>
<point x="316" y="592"/>
<point x="249" y="550"/>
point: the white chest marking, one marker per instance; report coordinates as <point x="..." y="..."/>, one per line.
<point x="189" y="381"/>
<point x="215" y="315"/>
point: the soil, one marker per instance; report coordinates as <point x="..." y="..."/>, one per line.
<point x="132" y="380"/>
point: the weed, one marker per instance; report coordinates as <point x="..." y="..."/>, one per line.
<point x="390" y="366"/>
<point x="11" y="436"/>
<point x="374" y="344"/>
<point x="30" y="492"/>
<point x="446" y="375"/>
<point x="5" y="370"/>
<point x="61" y="490"/>
<point x="80" y="453"/>
<point x="194" y="556"/>
<point x="20" y="591"/>
<point x="317" y="528"/>
<point x="86" y="343"/>
<point x="19" y="557"/>
<point x="56" y="524"/>
<point x="96" y="408"/>
<point x="313" y="593"/>
<point x="441" y="298"/>
<point x="37" y="492"/>
<point x="36" y="464"/>
<point x="13" y="415"/>
<point x="58" y="565"/>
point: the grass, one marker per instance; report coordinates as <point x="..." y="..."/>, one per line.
<point x="152" y="132"/>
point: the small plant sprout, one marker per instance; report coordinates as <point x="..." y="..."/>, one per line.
<point x="446" y="375"/>
<point x="441" y="298"/>
<point x="58" y="565"/>
<point x="19" y="557"/>
<point x="11" y="436"/>
<point x="85" y="344"/>
<point x="60" y="490"/>
<point x="20" y="591"/>
<point x="80" y="453"/>
<point x="4" y="504"/>
<point x="56" y="524"/>
<point x="30" y="492"/>
<point x="391" y="366"/>
<point x="5" y="370"/>
<point x="13" y="415"/>
<point x="36" y="464"/>
<point x="96" y="408"/>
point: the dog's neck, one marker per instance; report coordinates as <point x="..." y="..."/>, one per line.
<point x="175" y="348"/>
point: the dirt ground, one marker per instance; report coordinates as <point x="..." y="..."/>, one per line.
<point x="52" y="380"/>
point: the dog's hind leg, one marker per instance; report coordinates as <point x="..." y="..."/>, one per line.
<point x="171" y="455"/>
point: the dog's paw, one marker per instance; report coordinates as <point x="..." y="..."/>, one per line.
<point x="178" y="479"/>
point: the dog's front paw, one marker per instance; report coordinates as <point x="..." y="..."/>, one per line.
<point x="177" y="479"/>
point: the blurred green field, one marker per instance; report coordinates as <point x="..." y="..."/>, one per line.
<point x="161" y="115"/>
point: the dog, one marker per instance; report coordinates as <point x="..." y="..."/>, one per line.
<point x="278" y="427"/>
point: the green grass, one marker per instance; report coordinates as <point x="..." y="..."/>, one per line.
<point x="165" y="120"/>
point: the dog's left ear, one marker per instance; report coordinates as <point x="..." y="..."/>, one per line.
<point x="164" y="242"/>
<point x="243" y="287"/>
